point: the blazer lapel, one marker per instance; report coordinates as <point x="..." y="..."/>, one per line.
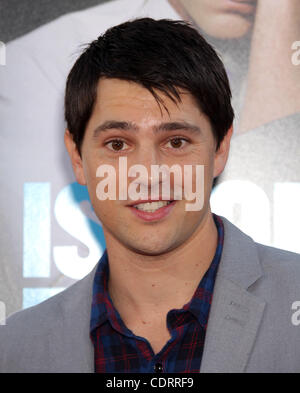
<point x="234" y="319"/>
<point x="235" y="313"/>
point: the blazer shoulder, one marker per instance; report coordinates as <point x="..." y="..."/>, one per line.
<point x="29" y="324"/>
<point x="282" y="263"/>
<point x="38" y="315"/>
<point x="278" y="256"/>
<point x="26" y="332"/>
<point x="47" y="312"/>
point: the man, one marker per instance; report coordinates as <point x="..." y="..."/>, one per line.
<point x="29" y="272"/>
<point x="175" y="290"/>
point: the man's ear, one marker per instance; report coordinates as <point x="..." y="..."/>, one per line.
<point x="75" y="158"/>
<point x="221" y="154"/>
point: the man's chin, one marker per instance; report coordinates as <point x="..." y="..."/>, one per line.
<point x="153" y="248"/>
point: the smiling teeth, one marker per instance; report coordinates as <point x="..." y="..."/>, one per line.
<point x="151" y="207"/>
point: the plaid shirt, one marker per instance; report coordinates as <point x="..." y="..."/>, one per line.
<point x="118" y="350"/>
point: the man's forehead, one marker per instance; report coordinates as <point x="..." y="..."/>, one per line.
<point x="120" y="106"/>
<point x="127" y="101"/>
<point x="113" y="89"/>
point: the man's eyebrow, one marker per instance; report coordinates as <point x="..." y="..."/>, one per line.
<point x="130" y="126"/>
<point x="114" y="125"/>
<point x="177" y="125"/>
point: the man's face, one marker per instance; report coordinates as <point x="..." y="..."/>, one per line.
<point x="151" y="137"/>
<point x="221" y="18"/>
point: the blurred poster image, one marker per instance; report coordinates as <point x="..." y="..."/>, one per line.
<point x="260" y="187"/>
<point x="50" y="237"/>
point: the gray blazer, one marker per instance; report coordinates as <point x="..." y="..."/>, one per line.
<point x="250" y="327"/>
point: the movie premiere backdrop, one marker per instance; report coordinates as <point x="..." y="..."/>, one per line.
<point x="50" y="236"/>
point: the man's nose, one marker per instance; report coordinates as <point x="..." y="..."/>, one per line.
<point x="146" y="158"/>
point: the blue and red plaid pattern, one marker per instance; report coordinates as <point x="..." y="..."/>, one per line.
<point x="118" y="350"/>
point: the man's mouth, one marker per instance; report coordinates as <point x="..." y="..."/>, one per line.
<point x="148" y="210"/>
<point x="151" y="207"/>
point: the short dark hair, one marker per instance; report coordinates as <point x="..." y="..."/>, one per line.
<point x="157" y="54"/>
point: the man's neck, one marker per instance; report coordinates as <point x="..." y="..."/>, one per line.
<point x="146" y="287"/>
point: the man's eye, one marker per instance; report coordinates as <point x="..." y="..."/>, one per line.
<point x="177" y="143"/>
<point x="116" y="144"/>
